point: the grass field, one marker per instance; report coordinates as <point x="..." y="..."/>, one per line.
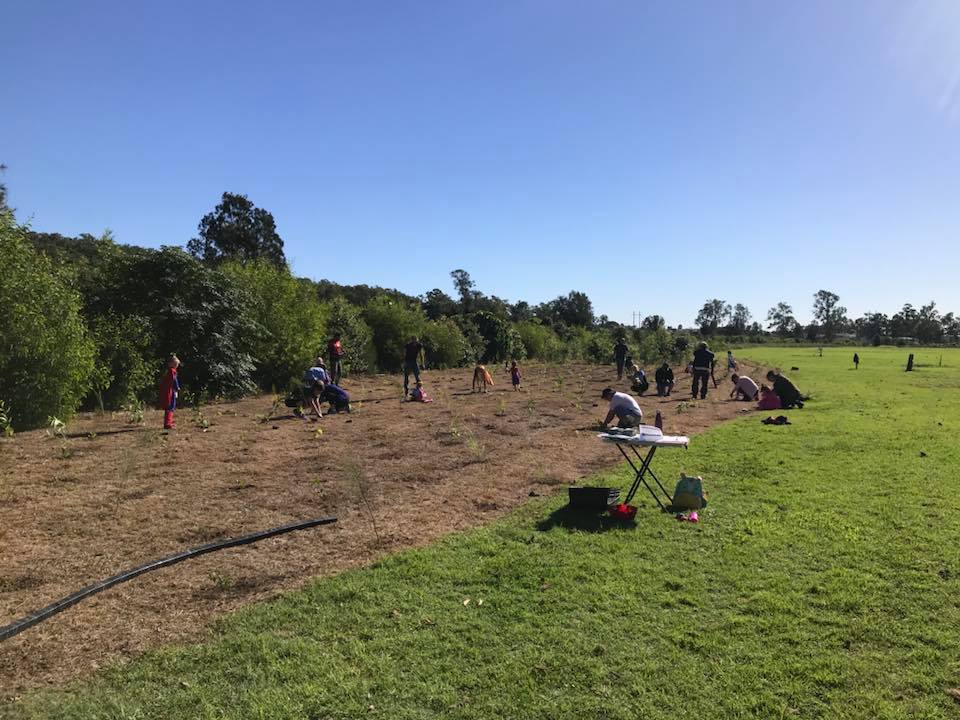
<point x="822" y="582"/>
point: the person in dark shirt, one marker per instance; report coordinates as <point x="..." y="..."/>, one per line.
<point x="703" y="362"/>
<point x="412" y="362"/>
<point x="856" y="361"/>
<point x="620" y="355"/>
<point x="785" y="390"/>
<point x="664" y="378"/>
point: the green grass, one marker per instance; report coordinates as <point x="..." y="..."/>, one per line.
<point x="823" y="582"/>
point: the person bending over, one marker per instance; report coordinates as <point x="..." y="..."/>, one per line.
<point x="623" y="407"/>
<point x="743" y="388"/>
<point x="785" y="390"/>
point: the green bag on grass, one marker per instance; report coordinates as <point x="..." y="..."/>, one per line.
<point x="688" y="494"/>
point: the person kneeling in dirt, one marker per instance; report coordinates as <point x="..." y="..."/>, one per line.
<point x="419" y="395"/>
<point x="338" y="398"/>
<point x="785" y="390"/>
<point x="744" y="388"/>
<point x="623" y="407"/>
<point x="639" y="382"/>
<point x="664" y="378"/>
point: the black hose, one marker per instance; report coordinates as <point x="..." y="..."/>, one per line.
<point x="38" y="616"/>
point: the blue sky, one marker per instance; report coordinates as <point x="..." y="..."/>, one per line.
<point x="653" y="155"/>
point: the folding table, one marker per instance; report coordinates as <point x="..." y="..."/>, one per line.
<point x="648" y="441"/>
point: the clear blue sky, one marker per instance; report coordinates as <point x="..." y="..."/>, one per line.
<point x="653" y="155"/>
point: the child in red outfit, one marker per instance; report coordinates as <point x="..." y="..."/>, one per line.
<point x="169" y="387"/>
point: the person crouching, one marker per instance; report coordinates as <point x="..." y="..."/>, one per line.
<point x="744" y="388"/>
<point x="623" y="407"/>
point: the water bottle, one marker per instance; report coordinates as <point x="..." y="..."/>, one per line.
<point x="658" y="421"/>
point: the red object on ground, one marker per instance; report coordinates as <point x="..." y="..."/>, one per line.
<point x="623" y="512"/>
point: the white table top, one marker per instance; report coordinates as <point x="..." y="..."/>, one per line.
<point x="647" y="440"/>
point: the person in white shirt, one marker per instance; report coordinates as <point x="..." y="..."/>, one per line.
<point x="743" y="388"/>
<point x="623" y="407"/>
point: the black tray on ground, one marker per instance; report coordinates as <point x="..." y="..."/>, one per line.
<point x="592" y="498"/>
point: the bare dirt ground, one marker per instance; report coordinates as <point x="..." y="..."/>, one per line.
<point x="113" y="495"/>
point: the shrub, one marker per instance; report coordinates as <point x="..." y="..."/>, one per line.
<point x="291" y="321"/>
<point x="539" y="341"/>
<point x="123" y="368"/>
<point x="357" y="339"/>
<point x="46" y="355"/>
<point x="393" y="323"/>
<point x="445" y="344"/>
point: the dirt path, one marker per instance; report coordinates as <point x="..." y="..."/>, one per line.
<point x="113" y="495"/>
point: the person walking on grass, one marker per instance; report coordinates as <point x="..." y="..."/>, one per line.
<point x="335" y="353"/>
<point x="731" y="363"/>
<point x="169" y="389"/>
<point x="412" y="362"/>
<point x="620" y="355"/>
<point x="515" y="375"/>
<point x="744" y="388"/>
<point x="856" y="361"/>
<point x="703" y="364"/>
<point x="623" y="407"/>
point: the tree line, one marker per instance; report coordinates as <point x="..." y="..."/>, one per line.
<point x="88" y="321"/>
<point x="925" y="325"/>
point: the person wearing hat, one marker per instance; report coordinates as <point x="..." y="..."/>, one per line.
<point x="703" y="363"/>
<point x="623" y="407"/>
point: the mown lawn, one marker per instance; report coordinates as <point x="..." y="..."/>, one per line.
<point x="823" y="581"/>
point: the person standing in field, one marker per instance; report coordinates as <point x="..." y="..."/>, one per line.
<point x="664" y="378"/>
<point x="856" y="361"/>
<point x="412" y="362"/>
<point x="744" y="388"/>
<point x="335" y="352"/>
<point x="169" y="389"/>
<point x="515" y="375"/>
<point x="731" y="363"/>
<point x="623" y="407"/>
<point x="620" y="356"/>
<point x="703" y="364"/>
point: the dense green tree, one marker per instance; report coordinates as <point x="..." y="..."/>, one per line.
<point x="355" y="334"/>
<point x="291" y="322"/>
<point x="540" y="341"/>
<point x="46" y="355"/>
<point x="652" y="322"/>
<point x="465" y="289"/>
<point x="124" y="368"/>
<point x="437" y="304"/>
<point x="739" y="320"/>
<point x="237" y="230"/>
<point x="780" y="319"/>
<point x="828" y="313"/>
<point x="393" y="323"/>
<point x="712" y="315"/>
<point x="193" y="310"/>
<point x="445" y="344"/>
<point x="521" y="311"/>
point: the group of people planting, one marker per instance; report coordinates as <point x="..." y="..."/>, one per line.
<point x="781" y="393"/>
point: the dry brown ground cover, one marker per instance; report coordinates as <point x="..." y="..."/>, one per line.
<point x="398" y="475"/>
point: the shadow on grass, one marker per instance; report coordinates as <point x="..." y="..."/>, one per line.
<point x="587" y="520"/>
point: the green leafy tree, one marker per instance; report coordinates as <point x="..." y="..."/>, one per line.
<point x="237" y="230"/>
<point x="355" y="334"/>
<point x="46" y="356"/>
<point x="193" y="310"/>
<point x="652" y="322"/>
<point x="393" y="323"/>
<point x="291" y="322"/>
<point x="437" y="304"/>
<point x="465" y="289"/>
<point x="124" y="370"/>
<point x="712" y="315"/>
<point x="497" y="337"/>
<point x="445" y="344"/>
<point x="828" y="313"/>
<point x="540" y="341"/>
<point x="780" y="319"/>
<point x="739" y="320"/>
